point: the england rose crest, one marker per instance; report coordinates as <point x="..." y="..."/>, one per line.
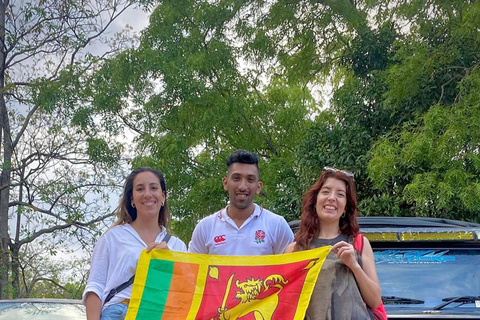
<point x="259" y="236"/>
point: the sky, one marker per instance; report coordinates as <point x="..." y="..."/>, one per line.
<point x="137" y="20"/>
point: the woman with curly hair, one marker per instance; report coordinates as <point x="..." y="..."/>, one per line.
<point x="347" y="287"/>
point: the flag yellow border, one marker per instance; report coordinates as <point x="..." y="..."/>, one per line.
<point x="140" y="279"/>
<point x="205" y="260"/>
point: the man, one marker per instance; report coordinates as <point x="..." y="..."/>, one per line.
<point x="243" y="227"/>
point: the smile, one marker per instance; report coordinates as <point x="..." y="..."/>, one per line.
<point x="149" y="203"/>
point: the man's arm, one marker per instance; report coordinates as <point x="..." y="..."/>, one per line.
<point x="284" y="236"/>
<point x="198" y="243"/>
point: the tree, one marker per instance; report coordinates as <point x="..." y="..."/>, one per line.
<point x="213" y="76"/>
<point x="431" y="161"/>
<point x="50" y="167"/>
<point x="192" y="105"/>
<point x="208" y="78"/>
<point x="345" y="133"/>
<point x="401" y="115"/>
<point x="42" y="277"/>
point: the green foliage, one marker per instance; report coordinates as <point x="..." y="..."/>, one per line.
<point x="329" y="143"/>
<point x="431" y="159"/>
<point x="205" y="109"/>
<point x="441" y="154"/>
<point x="210" y="77"/>
<point x="60" y="160"/>
<point x="46" y="277"/>
<point x="371" y="51"/>
<point x="99" y="151"/>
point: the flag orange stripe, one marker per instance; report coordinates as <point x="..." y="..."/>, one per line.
<point x="181" y="292"/>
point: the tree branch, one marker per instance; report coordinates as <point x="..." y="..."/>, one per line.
<point x="38" y="233"/>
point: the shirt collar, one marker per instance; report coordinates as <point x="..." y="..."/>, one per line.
<point x="222" y="214"/>
<point x="130" y="229"/>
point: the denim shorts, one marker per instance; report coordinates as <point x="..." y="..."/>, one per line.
<point x="116" y="311"/>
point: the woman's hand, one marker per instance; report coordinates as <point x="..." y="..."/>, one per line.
<point x="157" y="245"/>
<point x="366" y="277"/>
<point x="346" y="253"/>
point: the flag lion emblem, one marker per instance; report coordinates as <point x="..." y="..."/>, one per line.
<point x="249" y="293"/>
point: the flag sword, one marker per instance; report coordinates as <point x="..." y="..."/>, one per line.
<point x="227" y="291"/>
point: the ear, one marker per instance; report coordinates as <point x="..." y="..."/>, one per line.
<point x="259" y="187"/>
<point x="224" y="182"/>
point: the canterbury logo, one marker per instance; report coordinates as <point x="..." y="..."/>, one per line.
<point x="219" y="239"/>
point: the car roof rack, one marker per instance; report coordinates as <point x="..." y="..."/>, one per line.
<point x="413" y="222"/>
<point x="409" y="229"/>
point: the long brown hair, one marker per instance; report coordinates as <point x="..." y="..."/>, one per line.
<point x="126" y="213"/>
<point x="310" y="223"/>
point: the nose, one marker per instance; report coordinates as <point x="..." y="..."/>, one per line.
<point x="243" y="184"/>
<point x="148" y="192"/>
<point x="331" y="196"/>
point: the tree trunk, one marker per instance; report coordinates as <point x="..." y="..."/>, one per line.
<point x="5" y="176"/>
<point x="15" y="251"/>
<point x="15" y="247"/>
<point x="4" y="199"/>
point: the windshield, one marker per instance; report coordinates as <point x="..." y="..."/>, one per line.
<point x="41" y="311"/>
<point x="428" y="275"/>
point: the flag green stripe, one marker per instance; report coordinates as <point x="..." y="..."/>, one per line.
<point x="156" y="290"/>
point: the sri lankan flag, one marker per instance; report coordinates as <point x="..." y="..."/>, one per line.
<point x="175" y="286"/>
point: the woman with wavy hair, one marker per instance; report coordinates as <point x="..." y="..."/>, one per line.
<point x="347" y="287"/>
<point x="142" y="222"/>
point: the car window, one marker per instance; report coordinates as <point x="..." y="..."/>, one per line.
<point x="429" y="275"/>
<point x="41" y="311"/>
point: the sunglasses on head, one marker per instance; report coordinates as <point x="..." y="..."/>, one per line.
<point x="345" y="172"/>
